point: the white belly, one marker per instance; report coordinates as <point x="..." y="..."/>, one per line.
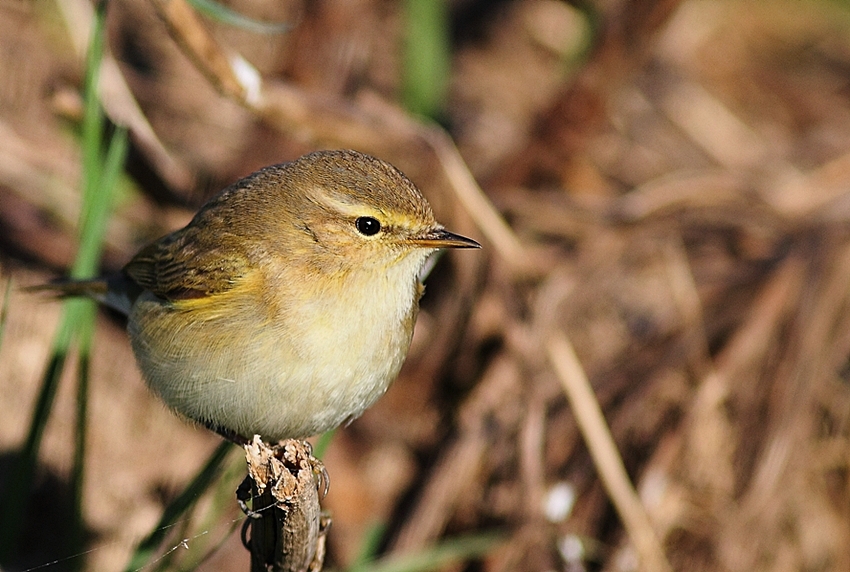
<point x="327" y="362"/>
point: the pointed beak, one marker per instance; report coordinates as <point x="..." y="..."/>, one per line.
<point x="441" y="238"/>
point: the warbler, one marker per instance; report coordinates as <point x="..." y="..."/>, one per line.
<point x="286" y="306"/>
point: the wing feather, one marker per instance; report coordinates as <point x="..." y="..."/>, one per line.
<point x="190" y="263"/>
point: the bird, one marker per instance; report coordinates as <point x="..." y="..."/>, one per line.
<point x="286" y="306"/>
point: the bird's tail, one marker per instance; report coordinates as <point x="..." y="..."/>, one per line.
<point x="117" y="292"/>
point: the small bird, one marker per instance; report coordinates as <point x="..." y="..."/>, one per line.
<point x="286" y="306"/>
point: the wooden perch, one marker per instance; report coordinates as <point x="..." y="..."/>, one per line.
<point x="287" y="527"/>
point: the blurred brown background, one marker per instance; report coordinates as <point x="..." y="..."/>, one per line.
<point x="677" y="176"/>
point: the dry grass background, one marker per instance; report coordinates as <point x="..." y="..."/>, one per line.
<point x="681" y="201"/>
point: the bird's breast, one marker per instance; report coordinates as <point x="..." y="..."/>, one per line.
<point x="290" y="370"/>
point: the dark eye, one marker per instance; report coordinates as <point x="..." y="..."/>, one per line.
<point x="367" y="225"/>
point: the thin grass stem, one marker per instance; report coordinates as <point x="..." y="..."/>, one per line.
<point x="147" y="548"/>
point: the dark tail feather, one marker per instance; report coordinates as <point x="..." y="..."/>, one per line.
<point x="69" y="288"/>
<point x="117" y="292"/>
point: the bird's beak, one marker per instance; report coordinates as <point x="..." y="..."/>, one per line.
<point x="441" y="238"/>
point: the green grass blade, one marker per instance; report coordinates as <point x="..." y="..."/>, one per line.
<point x="99" y="207"/>
<point x="100" y="177"/>
<point x="322" y="443"/>
<point x="179" y="506"/>
<point x="369" y="545"/>
<point x="450" y="551"/>
<point x="231" y="17"/>
<point x="217" y="517"/>
<point x="93" y="121"/>
<point x="77" y="533"/>
<point x="426" y="57"/>
<point x="16" y="491"/>
<point x="77" y="320"/>
<point x="15" y="495"/>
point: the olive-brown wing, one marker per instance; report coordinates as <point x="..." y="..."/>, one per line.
<point x="188" y="264"/>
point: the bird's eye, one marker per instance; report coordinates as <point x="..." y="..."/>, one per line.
<point x="367" y="225"/>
